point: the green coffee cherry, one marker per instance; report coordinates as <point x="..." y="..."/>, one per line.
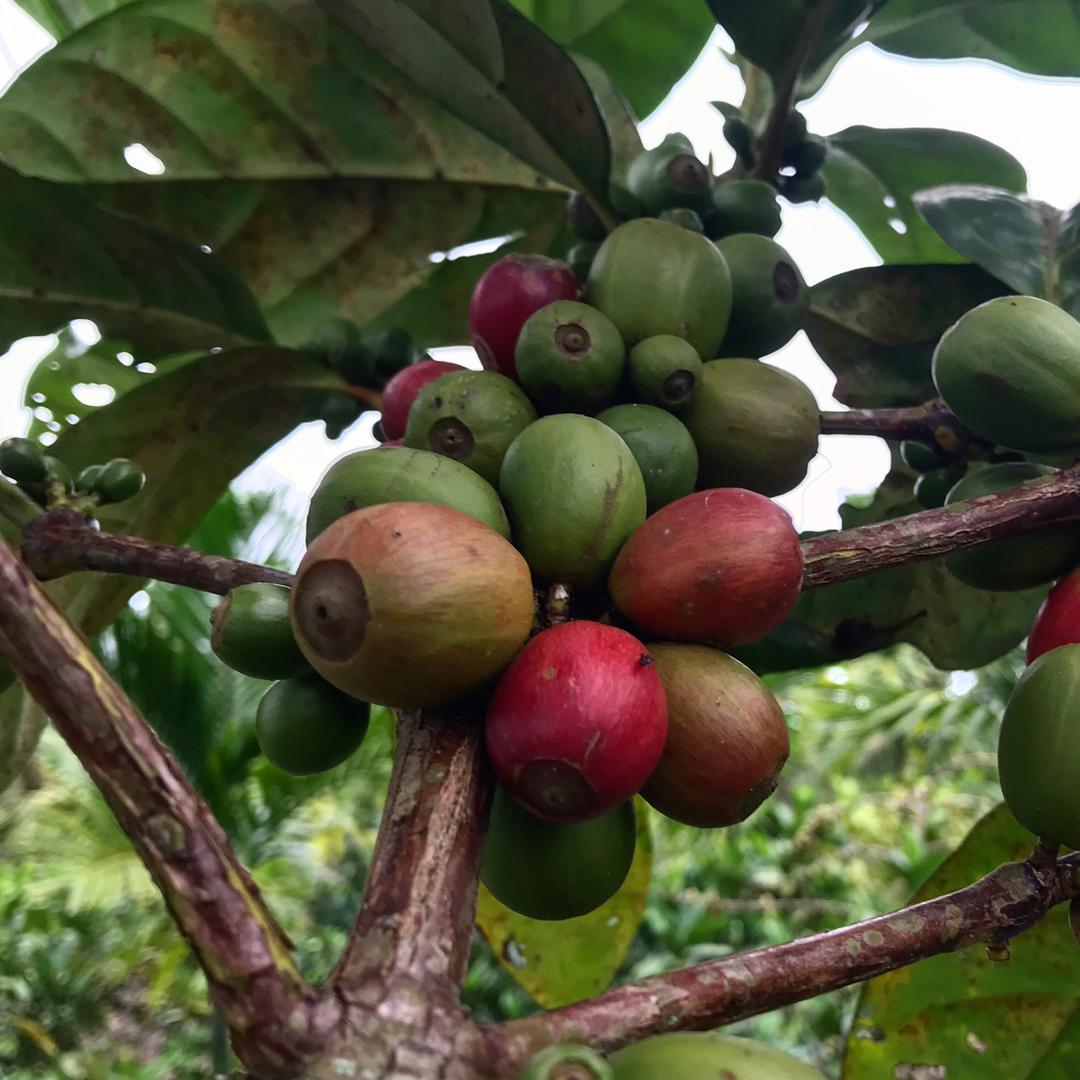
<point x="662" y="447"/>
<point x="744" y="206"/>
<point x="23" y="461"/>
<point x="253" y="635"/>
<point x="86" y="481"/>
<point x="338" y="412"/>
<point x="738" y="135"/>
<point x="932" y="487"/>
<point x="567" y="1061"/>
<point x="305" y="726"/>
<point x="803" y="189"/>
<point x="808" y="156"/>
<point x="394" y="350"/>
<point x="794" y="130"/>
<point x="570" y="357"/>
<point x="669" y="175"/>
<point x="664" y="371"/>
<point x="341" y="343"/>
<point x="920" y="457"/>
<point x="684" y="216"/>
<point x="582" y="220"/>
<point x="625" y="203"/>
<point x="119" y="480"/>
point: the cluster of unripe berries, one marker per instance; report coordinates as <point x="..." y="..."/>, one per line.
<point x="1010" y="370"/>
<point x="49" y="482"/>
<point x="802" y="154"/>
<point x="567" y="540"/>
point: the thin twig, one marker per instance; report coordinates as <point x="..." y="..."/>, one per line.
<point x="61" y="542"/>
<point x="771" y="151"/>
<point x="932" y="423"/>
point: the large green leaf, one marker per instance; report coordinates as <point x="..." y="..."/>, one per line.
<point x="359" y="248"/>
<point x="645" y="52"/>
<point x="955" y="626"/>
<point x="571" y="959"/>
<point x="324" y="149"/>
<point x="1030" y="245"/>
<point x="964" y="1015"/>
<point x="1038" y="36"/>
<point x="62" y="258"/>
<point x="877" y="326"/>
<point x="771" y="33"/>
<point x="192" y="430"/>
<point x="872" y="175"/>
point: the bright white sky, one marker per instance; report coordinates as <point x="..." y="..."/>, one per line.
<point x="1035" y="119"/>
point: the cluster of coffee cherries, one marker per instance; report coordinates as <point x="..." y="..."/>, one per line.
<point x="565" y="543"/>
<point x="49" y="482"/>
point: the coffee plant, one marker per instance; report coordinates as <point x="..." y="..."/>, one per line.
<point x="565" y="572"/>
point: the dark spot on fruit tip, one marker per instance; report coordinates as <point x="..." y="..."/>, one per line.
<point x="451" y="438"/>
<point x="644" y="660"/>
<point x="351" y="505"/>
<point x="331" y="609"/>
<point x="556" y="789"/>
<point x="572" y="338"/>
<point x="677" y="387"/>
<point x="396" y="534"/>
<point x="437" y="403"/>
<point x="785" y="283"/>
<point x="687" y="173"/>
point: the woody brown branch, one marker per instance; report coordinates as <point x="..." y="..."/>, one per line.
<point x="273" y="1014"/>
<point x="932" y="423"/>
<point x="62" y="542"/>
<point x="1001" y="905"/>
<point x="852" y="553"/>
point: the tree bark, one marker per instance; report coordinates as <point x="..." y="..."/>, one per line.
<point x="1006" y="902"/>
<point x="61" y="542"/>
<point x="932" y="423"/>
<point x="273" y="1015"/>
<point x="928" y="534"/>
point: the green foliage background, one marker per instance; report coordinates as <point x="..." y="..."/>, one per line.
<point x="325" y="157"/>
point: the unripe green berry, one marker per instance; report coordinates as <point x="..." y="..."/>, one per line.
<point x="341" y="343"/>
<point x="808" y="156"/>
<point x="920" y="457"/>
<point x="23" y="461"/>
<point x="394" y="350"/>
<point x="738" y="135"/>
<point x="305" y="726"/>
<point x="932" y="487"/>
<point x="803" y="189"/>
<point x="252" y="632"/>
<point x="684" y="216"/>
<point x="86" y="481"/>
<point x="664" y="371"/>
<point x="119" y="480"/>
